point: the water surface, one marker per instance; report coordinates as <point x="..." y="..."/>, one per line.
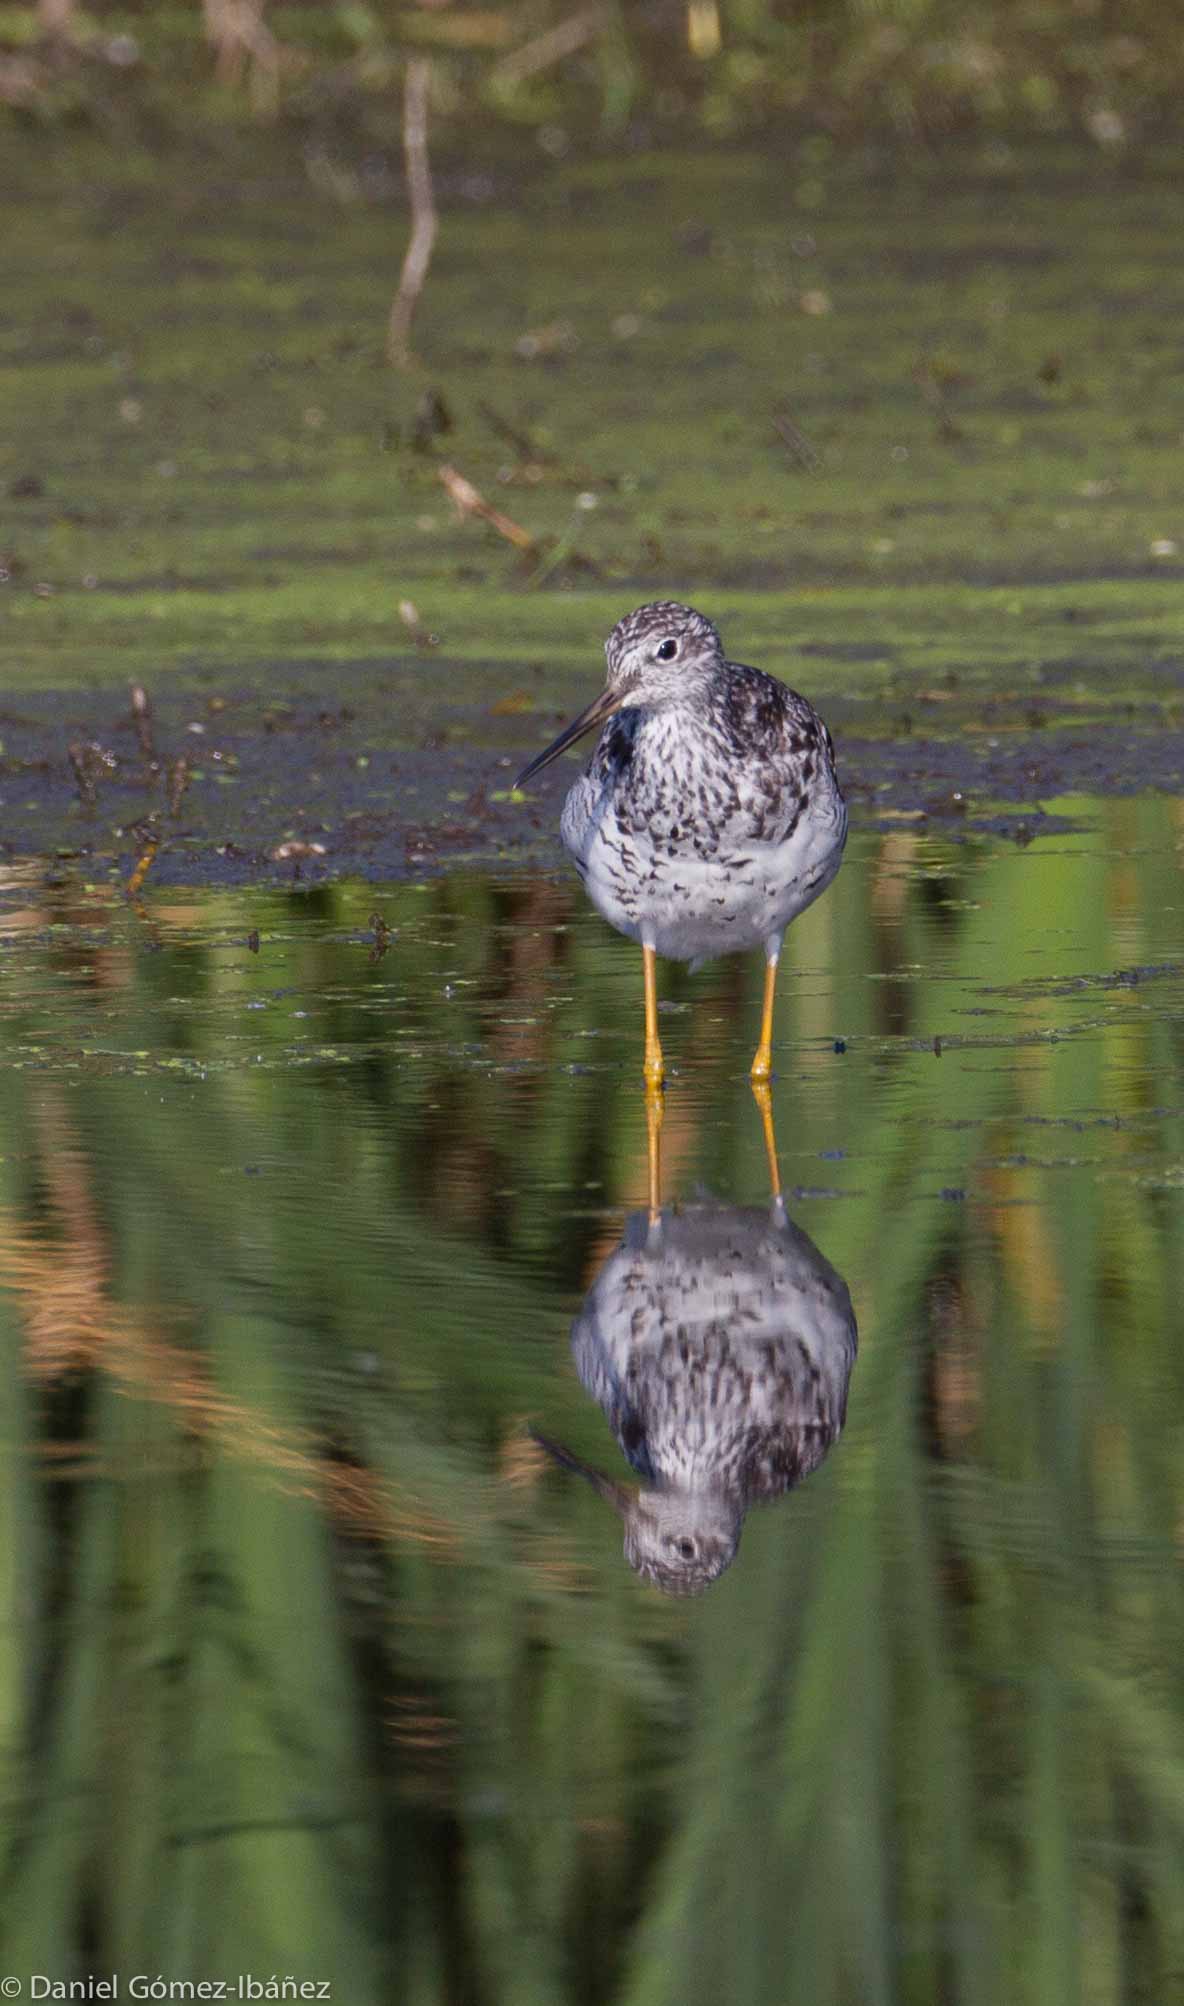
<point x="316" y="1663"/>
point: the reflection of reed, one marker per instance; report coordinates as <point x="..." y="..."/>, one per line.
<point x="978" y="1612"/>
<point x="892" y="876"/>
<point x="536" y="947"/>
<point x="1028" y="1253"/>
<point x="71" y="1324"/>
<point x="415" y="1729"/>
<point x="20" y="878"/>
<point x="955" y="1369"/>
<point x="61" y="1288"/>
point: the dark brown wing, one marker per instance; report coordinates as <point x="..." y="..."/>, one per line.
<point x="782" y="742"/>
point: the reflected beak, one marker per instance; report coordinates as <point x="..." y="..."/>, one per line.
<point x="598" y="712"/>
<point x="619" y="1496"/>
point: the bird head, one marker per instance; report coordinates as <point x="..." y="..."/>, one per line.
<point x="678" y="1540"/>
<point x="660" y="654"/>
<point x="681" y="1541"/>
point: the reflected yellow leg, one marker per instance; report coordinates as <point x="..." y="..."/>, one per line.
<point x="764" y="1101"/>
<point x="654" y="1107"/>
<point x="655" y="1072"/>
<point x="142" y="867"/>
<point x="762" y="1064"/>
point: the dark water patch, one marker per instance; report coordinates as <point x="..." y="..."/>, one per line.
<point x="850" y="651"/>
<point x="958" y="261"/>
<point x="269" y="790"/>
<point x="376" y="774"/>
<point x="1120" y="978"/>
<point x="801" y="568"/>
<point x="1161" y="652"/>
<point x="167" y="581"/>
<point x="944" y="776"/>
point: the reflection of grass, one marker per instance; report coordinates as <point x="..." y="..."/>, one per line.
<point x="935" y="1699"/>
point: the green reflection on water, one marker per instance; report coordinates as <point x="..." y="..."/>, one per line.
<point x="313" y="1664"/>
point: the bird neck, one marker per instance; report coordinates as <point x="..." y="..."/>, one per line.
<point x="691" y="699"/>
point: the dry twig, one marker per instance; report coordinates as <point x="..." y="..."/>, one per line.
<point x="142" y="719"/>
<point x="558" y="42"/>
<point x="470" y="501"/>
<point x="794" y="439"/>
<point x="424" y="221"/>
<point x="84" y="773"/>
<point x="179" y="777"/>
<point x="239" y="36"/>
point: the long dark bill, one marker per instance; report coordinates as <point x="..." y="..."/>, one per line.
<point x="598" y="712"/>
<point x="618" y="1495"/>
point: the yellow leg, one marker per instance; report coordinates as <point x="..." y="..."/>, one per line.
<point x="764" y="1101"/>
<point x="655" y="1071"/>
<point x="762" y="1064"/>
<point x="654" y="1105"/>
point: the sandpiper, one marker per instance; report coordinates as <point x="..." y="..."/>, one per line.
<point x="709" y="815"/>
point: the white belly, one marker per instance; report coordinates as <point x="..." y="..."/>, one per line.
<point x="690" y="907"/>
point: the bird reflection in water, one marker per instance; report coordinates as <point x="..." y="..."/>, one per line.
<point x="719" y="1343"/>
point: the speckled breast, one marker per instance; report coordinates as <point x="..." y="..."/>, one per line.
<point x="696" y="854"/>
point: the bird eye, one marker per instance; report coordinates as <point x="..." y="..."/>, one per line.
<point x="667" y="650"/>
<point x="687" y="1548"/>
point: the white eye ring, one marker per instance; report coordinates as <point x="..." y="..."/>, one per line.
<point x="666" y="650"/>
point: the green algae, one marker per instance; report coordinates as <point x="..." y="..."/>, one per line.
<point x="209" y="469"/>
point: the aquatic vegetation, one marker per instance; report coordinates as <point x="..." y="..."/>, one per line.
<point x="265" y="546"/>
<point x="723" y="66"/>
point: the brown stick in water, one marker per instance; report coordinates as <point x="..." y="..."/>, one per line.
<point x="470" y="501"/>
